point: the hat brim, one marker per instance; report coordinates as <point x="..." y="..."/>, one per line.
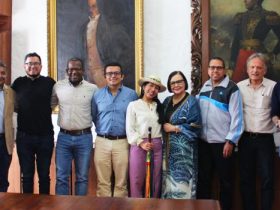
<point x="141" y="81"/>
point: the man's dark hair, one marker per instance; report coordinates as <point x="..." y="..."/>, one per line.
<point x="75" y="59"/>
<point x="113" y="64"/>
<point x="173" y="74"/>
<point x="218" y="58"/>
<point x="33" y="54"/>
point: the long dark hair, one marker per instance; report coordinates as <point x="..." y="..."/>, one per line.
<point x="159" y="104"/>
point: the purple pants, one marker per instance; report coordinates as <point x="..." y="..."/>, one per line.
<point x="137" y="169"/>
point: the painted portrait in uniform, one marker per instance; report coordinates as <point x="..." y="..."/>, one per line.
<point x="241" y="28"/>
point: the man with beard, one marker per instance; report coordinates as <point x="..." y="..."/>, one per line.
<point x="35" y="130"/>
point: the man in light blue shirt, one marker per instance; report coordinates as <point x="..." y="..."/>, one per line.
<point x="109" y="106"/>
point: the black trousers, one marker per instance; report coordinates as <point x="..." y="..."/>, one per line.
<point x="256" y="155"/>
<point x="210" y="158"/>
<point x="33" y="149"/>
<point x="5" y="161"/>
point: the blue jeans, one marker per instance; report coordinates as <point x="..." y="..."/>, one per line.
<point x="5" y="161"/>
<point x="29" y="149"/>
<point x="70" y="147"/>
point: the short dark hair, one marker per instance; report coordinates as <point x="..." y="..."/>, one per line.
<point x="75" y="59"/>
<point x="2" y="64"/>
<point x="173" y="74"/>
<point x="217" y="58"/>
<point x="33" y="54"/>
<point x="113" y="64"/>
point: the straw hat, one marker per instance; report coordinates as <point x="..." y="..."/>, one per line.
<point x="152" y="79"/>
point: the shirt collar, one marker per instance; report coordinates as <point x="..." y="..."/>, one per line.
<point x="263" y="83"/>
<point x="108" y="90"/>
<point x="77" y="85"/>
<point x="223" y="83"/>
<point x="96" y="17"/>
<point x="33" y="78"/>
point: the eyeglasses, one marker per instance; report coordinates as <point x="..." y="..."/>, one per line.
<point x="29" y="64"/>
<point x="219" y="68"/>
<point x="110" y="74"/>
<point x="178" y="82"/>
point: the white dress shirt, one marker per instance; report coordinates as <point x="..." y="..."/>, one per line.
<point x="74" y="104"/>
<point x="139" y="117"/>
<point x="257" y="106"/>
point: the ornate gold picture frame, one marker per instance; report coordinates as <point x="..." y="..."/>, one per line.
<point x="53" y="41"/>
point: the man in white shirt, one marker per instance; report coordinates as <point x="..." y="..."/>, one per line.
<point x="73" y="96"/>
<point x="256" y="146"/>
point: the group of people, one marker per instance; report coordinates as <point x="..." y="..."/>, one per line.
<point x="245" y="115"/>
<point x="188" y="136"/>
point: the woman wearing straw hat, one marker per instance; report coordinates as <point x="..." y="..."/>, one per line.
<point x="181" y="129"/>
<point x="141" y="114"/>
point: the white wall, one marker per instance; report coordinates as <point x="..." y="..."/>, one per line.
<point x="29" y="33"/>
<point x="166" y="38"/>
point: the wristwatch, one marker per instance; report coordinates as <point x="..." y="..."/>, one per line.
<point x="231" y="142"/>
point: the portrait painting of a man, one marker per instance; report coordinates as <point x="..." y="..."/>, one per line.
<point x="99" y="32"/>
<point x="241" y="28"/>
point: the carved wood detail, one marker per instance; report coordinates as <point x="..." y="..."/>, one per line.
<point x="196" y="44"/>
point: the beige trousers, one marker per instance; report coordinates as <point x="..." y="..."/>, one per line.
<point x="111" y="156"/>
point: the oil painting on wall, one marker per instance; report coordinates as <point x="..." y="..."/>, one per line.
<point x="99" y="32"/>
<point x="239" y="28"/>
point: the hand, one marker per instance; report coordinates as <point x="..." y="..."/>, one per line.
<point x="277" y="124"/>
<point x="227" y="151"/>
<point x="168" y="127"/>
<point x="276" y="121"/>
<point x="146" y="146"/>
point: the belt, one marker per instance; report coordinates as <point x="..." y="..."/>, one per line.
<point x="255" y="135"/>
<point x="76" y="132"/>
<point x="112" y="137"/>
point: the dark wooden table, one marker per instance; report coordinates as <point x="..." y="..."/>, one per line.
<point x="14" y="201"/>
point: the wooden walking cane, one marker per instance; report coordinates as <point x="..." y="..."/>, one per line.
<point x="149" y="175"/>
